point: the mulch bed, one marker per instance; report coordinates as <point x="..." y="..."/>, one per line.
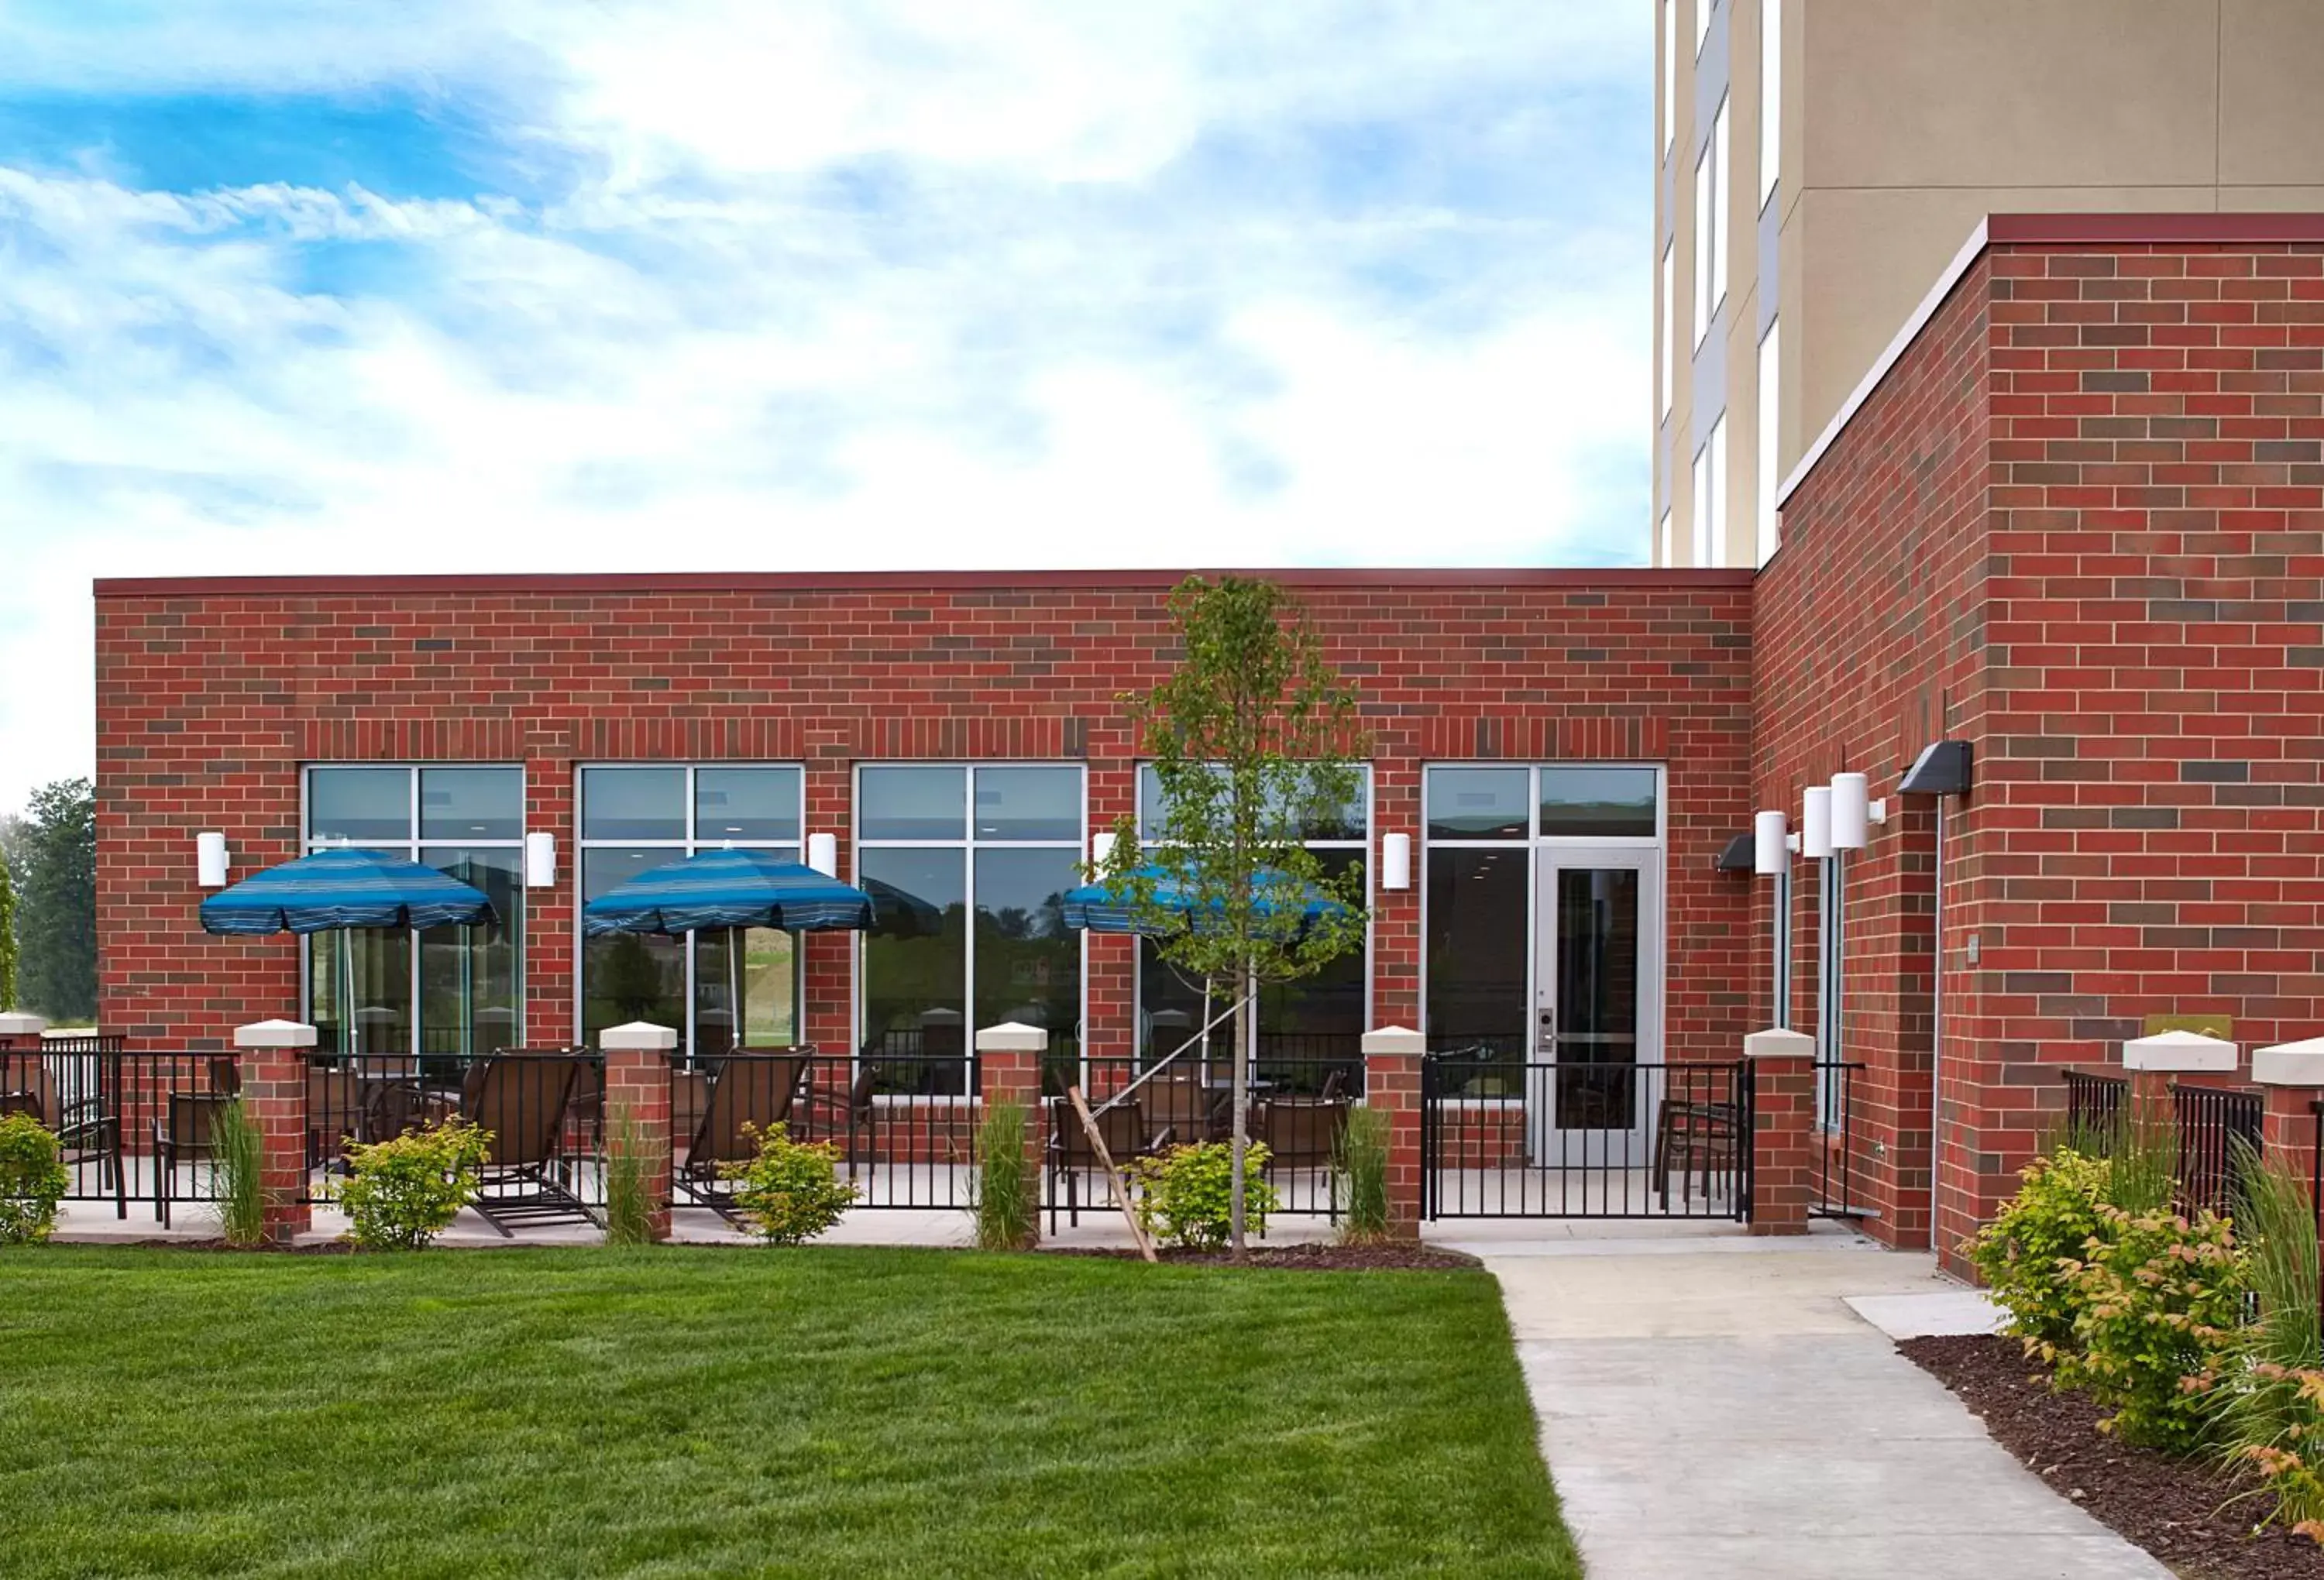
<point x="1312" y="1256"/>
<point x="2177" y="1510"/>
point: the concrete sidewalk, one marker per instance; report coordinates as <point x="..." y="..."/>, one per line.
<point x="1718" y="1409"/>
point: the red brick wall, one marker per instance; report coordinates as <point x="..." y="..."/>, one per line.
<point x="210" y="697"/>
<point x="2080" y="523"/>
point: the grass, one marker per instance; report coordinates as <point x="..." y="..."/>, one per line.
<point x="707" y="1411"/>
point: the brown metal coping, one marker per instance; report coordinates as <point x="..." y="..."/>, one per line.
<point x="676" y="582"/>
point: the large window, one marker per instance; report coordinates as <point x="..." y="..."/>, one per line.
<point x="1711" y="510"/>
<point x="1702" y="234"/>
<point x="635" y="818"/>
<point x="1722" y="183"/>
<point x="1319" y="1016"/>
<point x="1771" y="95"/>
<point x="1670" y="74"/>
<point x="1667" y="330"/>
<point x="1481" y="826"/>
<point x="444" y="989"/>
<point x="967" y="867"/>
<point x="1770" y="351"/>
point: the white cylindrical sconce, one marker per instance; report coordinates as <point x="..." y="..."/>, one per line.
<point x="1771" y="852"/>
<point x="1395" y="861"/>
<point x="1100" y="849"/>
<point x="1851" y="811"/>
<point x="1815" y="822"/>
<point x="540" y="862"/>
<point x="211" y="862"/>
<point x="822" y="854"/>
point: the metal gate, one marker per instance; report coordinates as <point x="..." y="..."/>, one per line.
<point x="1501" y="1137"/>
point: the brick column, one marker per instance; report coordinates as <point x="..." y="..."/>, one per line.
<point x="1781" y="1067"/>
<point x="1392" y="1056"/>
<point x="272" y="1064"/>
<point x="1009" y="1071"/>
<point x="2291" y="1075"/>
<point x="2151" y="1061"/>
<point x="637" y="1099"/>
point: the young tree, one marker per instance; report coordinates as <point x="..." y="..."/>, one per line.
<point x="8" y="937"/>
<point x="56" y="921"/>
<point x="1254" y="739"/>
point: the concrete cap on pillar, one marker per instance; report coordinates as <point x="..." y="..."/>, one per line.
<point x="274" y="1033"/>
<point x="1012" y="1037"/>
<point x="2289" y="1064"/>
<point x="22" y="1026"/>
<point x="1395" y="1040"/>
<point x="637" y="1037"/>
<point x="2183" y="1052"/>
<point x="1778" y="1043"/>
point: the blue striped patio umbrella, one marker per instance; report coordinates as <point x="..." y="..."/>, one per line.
<point x="337" y="891"/>
<point x="1098" y="907"/>
<point x="734" y="889"/>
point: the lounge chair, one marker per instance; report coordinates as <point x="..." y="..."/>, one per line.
<point x="185" y="1130"/>
<point x="1303" y="1133"/>
<point x="1071" y="1155"/>
<point x="526" y="1177"/>
<point x="745" y="1096"/>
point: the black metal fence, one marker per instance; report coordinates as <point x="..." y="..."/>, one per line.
<point x="544" y="1112"/>
<point x="131" y="1127"/>
<point x="1547" y="1139"/>
<point x="2212" y="1129"/>
<point x="2094" y="1105"/>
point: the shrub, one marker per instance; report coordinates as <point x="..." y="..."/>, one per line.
<point x="2026" y="1253"/>
<point x="1360" y="1176"/>
<point x="789" y="1191"/>
<point x="33" y="1179"/>
<point x="629" y="1206"/>
<point x="401" y="1194"/>
<point x="238" y="1181"/>
<point x="1007" y="1185"/>
<point x="2273" y="1419"/>
<point x="1186" y="1196"/>
<point x="2161" y="1300"/>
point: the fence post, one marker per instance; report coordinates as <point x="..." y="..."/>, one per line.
<point x="1392" y="1075"/>
<point x="271" y="1067"/>
<point x="1780" y="1065"/>
<point x="636" y="1109"/>
<point x="15" y="1024"/>
<point x="1009" y="1071"/>
<point x="2291" y="1075"/>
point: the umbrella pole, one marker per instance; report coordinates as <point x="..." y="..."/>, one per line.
<point x="734" y="988"/>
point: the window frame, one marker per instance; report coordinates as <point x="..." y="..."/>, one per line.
<point x="691" y="845"/>
<point x="1532" y="843"/>
<point x="968" y="844"/>
<point x="410" y="848"/>
<point x="1372" y="895"/>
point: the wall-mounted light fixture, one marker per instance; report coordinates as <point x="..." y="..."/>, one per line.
<point x="822" y="854"/>
<point x="1771" y="854"/>
<point x="1815" y="822"/>
<point x="1395" y="861"/>
<point x="541" y="860"/>
<point x="1854" y="811"/>
<point x="211" y="862"/>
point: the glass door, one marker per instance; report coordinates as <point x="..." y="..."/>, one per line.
<point x="1598" y="1004"/>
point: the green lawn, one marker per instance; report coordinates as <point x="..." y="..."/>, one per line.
<point x="827" y="1411"/>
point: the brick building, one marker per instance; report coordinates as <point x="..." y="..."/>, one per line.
<point x="2074" y="518"/>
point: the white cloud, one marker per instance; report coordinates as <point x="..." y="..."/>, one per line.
<point x="834" y="286"/>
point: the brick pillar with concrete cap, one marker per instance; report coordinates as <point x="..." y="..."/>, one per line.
<point x="637" y="1108"/>
<point x="2291" y="1077"/>
<point x="1392" y="1078"/>
<point x="1780" y="1065"/>
<point x="272" y="1065"/>
<point x="2151" y="1061"/>
<point x="1009" y="1071"/>
<point x="16" y="1028"/>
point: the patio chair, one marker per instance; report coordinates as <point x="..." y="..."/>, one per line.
<point x="1071" y="1155"/>
<point x="744" y="1097"/>
<point x="1302" y="1133"/>
<point x="185" y="1130"/>
<point x="1179" y="1105"/>
<point x="526" y="1177"/>
<point x="1691" y="1135"/>
<point x="85" y="1132"/>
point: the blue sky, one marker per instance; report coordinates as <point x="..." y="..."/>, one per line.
<point x="298" y="286"/>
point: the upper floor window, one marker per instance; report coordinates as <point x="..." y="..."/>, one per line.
<point x="444" y="989"/>
<point x="1722" y="182"/>
<point x="1663" y="336"/>
<point x="1701" y="24"/>
<point x="1771" y="95"/>
<point x="1670" y="74"/>
<point x="636" y="817"/>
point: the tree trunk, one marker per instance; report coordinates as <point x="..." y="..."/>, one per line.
<point x="1246" y="1023"/>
